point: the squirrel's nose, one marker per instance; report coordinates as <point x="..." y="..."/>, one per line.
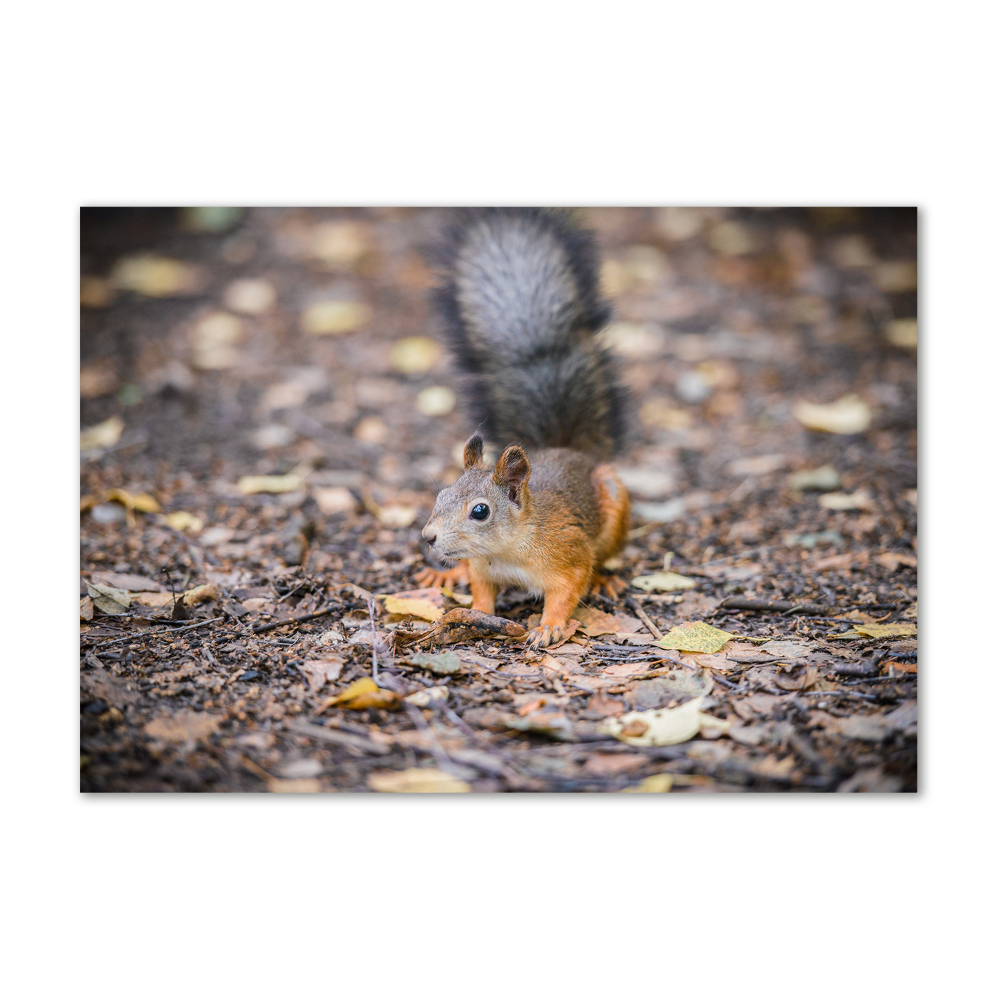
<point x="429" y="534"/>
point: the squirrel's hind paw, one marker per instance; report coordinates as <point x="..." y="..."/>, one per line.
<point x="442" y="578"/>
<point x="613" y="586"/>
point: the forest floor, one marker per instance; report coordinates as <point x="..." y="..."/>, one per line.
<point x="267" y="419"/>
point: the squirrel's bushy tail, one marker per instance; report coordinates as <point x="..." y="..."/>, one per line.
<point x="520" y="307"/>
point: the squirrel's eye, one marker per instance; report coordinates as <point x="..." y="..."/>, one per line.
<point x="480" y="512"/>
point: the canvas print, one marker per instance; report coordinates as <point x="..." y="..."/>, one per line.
<point x="441" y="500"/>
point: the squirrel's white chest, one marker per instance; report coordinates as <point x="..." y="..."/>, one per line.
<point x="506" y="574"/>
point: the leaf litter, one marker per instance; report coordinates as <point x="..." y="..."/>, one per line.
<point x="767" y="694"/>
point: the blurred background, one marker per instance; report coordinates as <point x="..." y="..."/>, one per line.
<point x="218" y="343"/>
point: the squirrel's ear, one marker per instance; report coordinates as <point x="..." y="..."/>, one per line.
<point x="473" y="454"/>
<point x="512" y="471"/>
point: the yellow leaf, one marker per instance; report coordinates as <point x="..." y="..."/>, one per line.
<point x="358" y="687"/>
<point x="363" y="693"/>
<point x="849" y="415"/>
<point x="878" y="631"/>
<point x="427" y="604"/>
<point x="663" y="582"/>
<point x="334" y="316"/>
<point x="135" y="501"/>
<point x="654" y="783"/>
<point x="206" y="592"/>
<point x="697" y="637"/>
<point x="416" y="779"/>
<point x="435" y="401"/>
<point x="414" y="355"/>
<point x="154" y="276"/>
<point x="103" y="435"/>
<point x="270" y="484"/>
<point x="181" y="520"/>
<point x="858" y="500"/>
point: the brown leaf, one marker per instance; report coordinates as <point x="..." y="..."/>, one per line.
<point x="319" y="671"/>
<point x="604" y="704"/>
<point x="613" y="763"/>
<point x="182" y="727"/>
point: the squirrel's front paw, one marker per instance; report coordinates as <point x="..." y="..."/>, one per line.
<point x="544" y="635"/>
<point x="442" y="578"/>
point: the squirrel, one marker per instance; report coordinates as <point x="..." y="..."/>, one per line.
<point x="521" y="309"/>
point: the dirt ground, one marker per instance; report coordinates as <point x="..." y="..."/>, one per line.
<point x="265" y="424"/>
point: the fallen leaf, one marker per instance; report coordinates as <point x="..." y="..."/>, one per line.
<point x="95" y="292"/>
<point x="663" y="582"/>
<point x="127" y="581"/>
<point x="427" y="604"/>
<point x="799" y="680"/>
<point x="423" y="698"/>
<point x="335" y="316"/>
<point x="910" y="612"/>
<point x="893" y="560"/>
<point x="152" y="599"/>
<point x="135" y="501"/>
<point x="859" y="500"/>
<point x="416" y="779"/>
<point x="662" y="727"/>
<point x="758" y="465"/>
<point x="596" y="622"/>
<point x="154" y="277"/>
<point x="661" y="513"/>
<point x="414" y="355"/>
<point x="214" y="339"/>
<point x="319" y="671"/>
<point x="613" y="763"/>
<point x="370" y="430"/>
<point x="436" y="401"/>
<point x="110" y="600"/>
<point x="698" y="637"/>
<point x="86" y="609"/>
<point x="196" y="595"/>
<point x="251" y="296"/>
<point x="363" y="693"/>
<point x="849" y="415"/>
<point x="340" y="244"/>
<point x="548" y="721"/>
<point x="181" y="520"/>
<point x="270" y="484"/>
<point x="103" y="435"/>
<point x="396" y="515"/>
<point x="659" y="691"/>
<point x="294" y="785"/>
<point x="334" y="499"/>
<point x="649" y="482"/>
<point x="902" y="333"/>
<point x="604" y="704"/>
<point x="662" y="782"/>
<point x="823" y="478"/>
<point x="444" y="664"/>
<point x="792" y="648"/>
<point x="878" y="631"/>
<point x="182" y="726"/>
